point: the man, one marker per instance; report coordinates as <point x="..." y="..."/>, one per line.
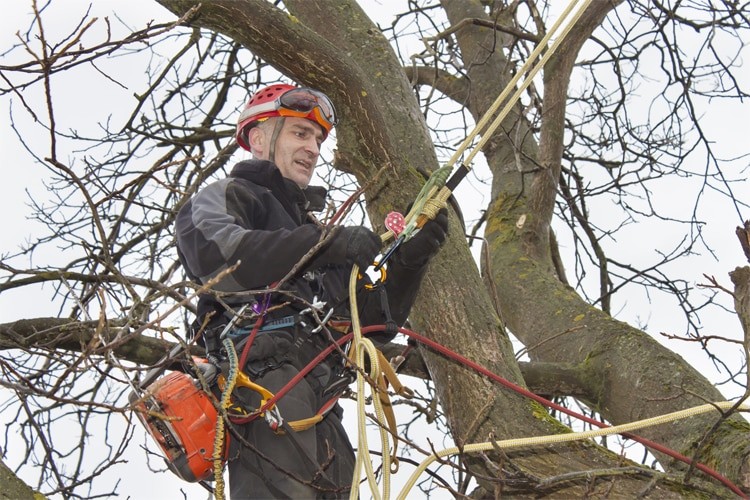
<point x="258" y="219"/>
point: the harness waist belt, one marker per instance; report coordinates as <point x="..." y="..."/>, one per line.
<point x="274" y="324"/>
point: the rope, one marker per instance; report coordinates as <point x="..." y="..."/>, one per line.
<point x="220" y="435"/>
<point x="422" y="203"/>
<point x="527" y="442"/>
<point x="365" y="351"/>
<point x="437" y="189"/>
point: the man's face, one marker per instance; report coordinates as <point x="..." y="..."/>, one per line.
<point x="297" y="149"/>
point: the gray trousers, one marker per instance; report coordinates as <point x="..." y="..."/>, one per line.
<point x="316" y="463"/>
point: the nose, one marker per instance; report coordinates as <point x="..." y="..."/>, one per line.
<point x="312" y="147"/>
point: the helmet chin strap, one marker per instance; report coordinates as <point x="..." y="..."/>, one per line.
<point x="275" y="135"/>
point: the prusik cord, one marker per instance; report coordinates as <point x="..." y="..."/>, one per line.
<point x="226" y="401"/>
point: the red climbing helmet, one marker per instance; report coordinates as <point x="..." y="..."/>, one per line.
<point x="285" y="100"/>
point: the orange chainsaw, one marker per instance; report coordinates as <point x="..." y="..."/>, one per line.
<point x="181" y="417"/>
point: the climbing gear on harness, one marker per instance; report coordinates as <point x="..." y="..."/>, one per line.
<point x="395" y="222"/>
<point x="423" y="204"/>
<point x="235" y="408"/>
<point x="268" y="325"/>
<point x="282" y="100"/>
<point x="381" y="279"/>
<point x="391" y="327"/>
<point x="180" y="416"/>
<point x="184" y="421"/>
<point x="242" y="380"/>
<point x="342" y="382"/>
<point x="208" y="372"/>
<point x="224" y="403"/>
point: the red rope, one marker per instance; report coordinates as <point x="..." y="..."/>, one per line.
<point x="504" y="382"/>
<point x="250" y="340"/>
<point x="344" y="208"/>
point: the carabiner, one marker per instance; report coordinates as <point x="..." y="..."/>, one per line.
<point x="383" y="275"/>
<point x="273" y="418"/>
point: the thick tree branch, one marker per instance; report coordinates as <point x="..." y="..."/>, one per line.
<point x="547" y="379"/>
<point x="83" y="336"/>
<point x="447" y="83"/>
<point x="15" y="489"/>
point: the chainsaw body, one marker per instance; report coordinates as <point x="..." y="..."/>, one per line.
<point x="181" y="417"/>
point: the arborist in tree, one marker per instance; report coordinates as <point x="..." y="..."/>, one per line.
<point x="260" y="217"/>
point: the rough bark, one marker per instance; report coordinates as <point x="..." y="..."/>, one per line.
<point x="640" y="377"/>
<point x="15" y="489"/>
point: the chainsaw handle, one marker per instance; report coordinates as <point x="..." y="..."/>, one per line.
<point x="160" y="367"/>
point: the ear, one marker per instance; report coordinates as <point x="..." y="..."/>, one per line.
<point x="258" y="141"/>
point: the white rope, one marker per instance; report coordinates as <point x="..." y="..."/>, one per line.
<point x="527" y="442"/>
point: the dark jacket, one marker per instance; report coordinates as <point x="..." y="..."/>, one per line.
<point x="258" y="220"/>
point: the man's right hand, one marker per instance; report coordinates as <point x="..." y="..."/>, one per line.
<point x="361" y="245"/>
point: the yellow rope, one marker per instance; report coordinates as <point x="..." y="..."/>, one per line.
<point x="563" y="438"/>
<point x="219" y="437"/>
<point x="417" y="216"/>
<point x="365" y="351"/>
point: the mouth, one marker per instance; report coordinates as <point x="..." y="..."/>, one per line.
<point x="304" y="164"/>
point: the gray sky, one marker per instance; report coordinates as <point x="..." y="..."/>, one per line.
<point x="80" y="105"/>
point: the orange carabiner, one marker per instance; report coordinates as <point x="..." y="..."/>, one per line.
<point x="383" y="276"/>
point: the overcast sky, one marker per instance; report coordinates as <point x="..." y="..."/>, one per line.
<point x="82" y="105"/>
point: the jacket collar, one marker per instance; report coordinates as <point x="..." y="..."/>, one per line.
<point x="267" y="174"/>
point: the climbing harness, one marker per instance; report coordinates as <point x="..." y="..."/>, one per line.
<point x="187" y="421"/>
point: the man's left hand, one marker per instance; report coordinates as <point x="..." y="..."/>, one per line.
<point x="422" y="246"/>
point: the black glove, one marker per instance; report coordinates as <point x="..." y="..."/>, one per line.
<point x="359" y="245"/>
<point x="422" y="246"/>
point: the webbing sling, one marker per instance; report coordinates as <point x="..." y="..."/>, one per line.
<point x="388" y="376"/>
